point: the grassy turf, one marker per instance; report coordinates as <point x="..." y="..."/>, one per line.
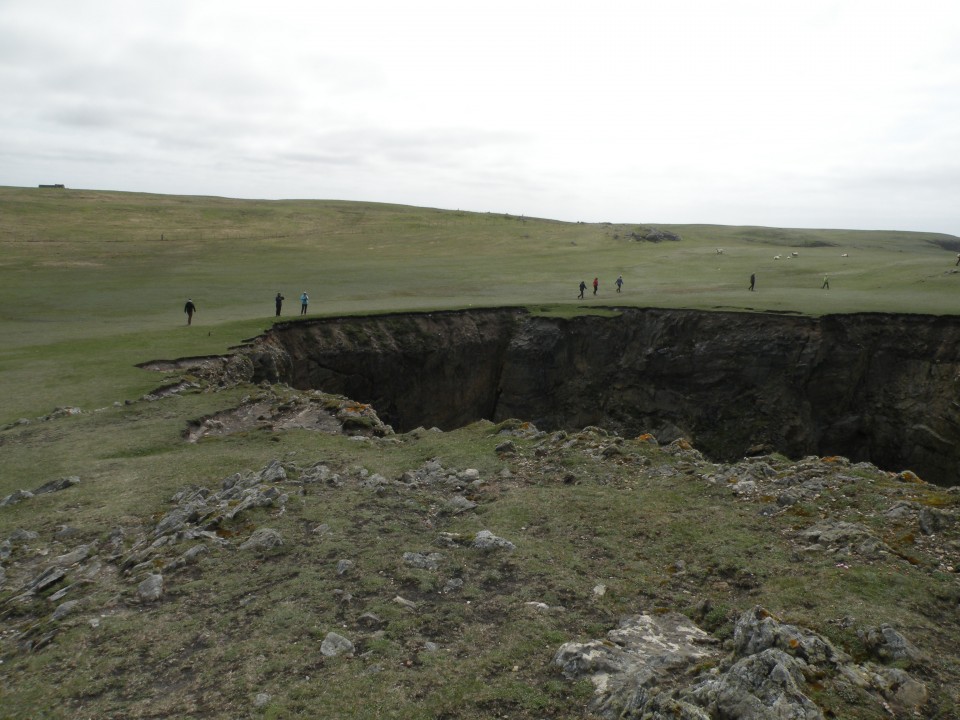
<point x="93" y="282"/>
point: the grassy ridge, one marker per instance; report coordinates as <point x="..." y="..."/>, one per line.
<point x="92" y="283"/>
<point x="114" y="269"/>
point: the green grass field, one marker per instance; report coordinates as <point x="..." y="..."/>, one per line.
<point x="93" y="282"/>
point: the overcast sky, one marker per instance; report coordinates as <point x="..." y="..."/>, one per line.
<point x="775" y="112"/>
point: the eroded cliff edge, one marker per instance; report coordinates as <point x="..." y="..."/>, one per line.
<point x="877" y="387"/>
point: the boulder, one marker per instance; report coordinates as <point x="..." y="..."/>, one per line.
<point x="151" y="589"/>
<point x="886" y="643"/>
<point x="263" y="539"/>
<point x="757" y="630"/>
<point x="57" y="485"/>
<point x="423" y="561"/>
<point x="65" y="609"/>
<point x="334" y="645"/>
<point x="16" y="497"/>
<point x="488" y="542"/>
<point x="635" y="659"/>
<point x="761" y="686"/>
<point x="72" y="558"/>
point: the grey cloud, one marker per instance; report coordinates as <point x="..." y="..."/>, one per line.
<point x="319" y="158"/>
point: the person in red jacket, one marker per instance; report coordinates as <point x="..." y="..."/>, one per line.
<point x="596" y="283"/>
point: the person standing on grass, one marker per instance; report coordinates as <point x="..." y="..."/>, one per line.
<point x="619" y="282"/>
<point x="189" y="309"/>
<point x="596" y="284"/>
<point x="279" y="300"/>
<point x="753" y="281"/>
<point x="304" y="300"/>
<point x="583" y="286"/>
<point x="826" y="283"/>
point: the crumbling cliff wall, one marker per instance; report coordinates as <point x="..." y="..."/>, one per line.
<point x="877" y="387"/>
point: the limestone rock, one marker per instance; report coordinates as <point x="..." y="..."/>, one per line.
<point x="272" y="472"/>
<point x="757" y="630"/>
<point x="370" y="621"/>
<point x="404" y="603"/>
<point x="334" y="645"/>
<point x="459" y="504"/>
<point x="488" y="542"/>
<point x="634" y="659"/>
<point x="428" y="561"/>
<point x="765" y="685"/>
<point x="57" y="485"/>
<point x="48" y="578"/>
<point x="886" y="643"/>
<point x="263" y="539"/>
<point x="65" y="609"/>
<point x="20" y="536"/>
<point x="72" y="558"/>
<point x="16" y="497"/>
<point x="151" y="589"/>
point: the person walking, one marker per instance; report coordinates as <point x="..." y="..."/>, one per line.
<point x="619" y="282"/>
<point x="826" y="283"/>
<point x="596" y="284"/>
<point x="304" y="301"/>
<point x="583" y="286"/>
<point x="279" y="301"/>
<point x="189" y="309"/>
<point x="753" y="281"/>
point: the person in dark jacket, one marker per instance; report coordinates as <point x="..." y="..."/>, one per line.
<point x="189" y="309"/>
<point x="279" y="301"/>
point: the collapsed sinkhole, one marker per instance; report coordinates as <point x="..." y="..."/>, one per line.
<point x="873" y="387"/>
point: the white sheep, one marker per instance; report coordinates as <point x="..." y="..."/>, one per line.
<point x="776" y="257"/>
<point x="794" y="254"/>
<point x="719" y="251"/>
<point x="845" y="255"/>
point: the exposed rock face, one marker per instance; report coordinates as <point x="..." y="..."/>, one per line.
<point x="648" y="667"/>
<point x="870" y="386"/>
<point x="440" y="369"/>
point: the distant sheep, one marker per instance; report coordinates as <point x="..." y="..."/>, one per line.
<point x="794" y="254"/>
<point x="776" y="257"/>
<point x="845" y="255"/>
<point x="719" y="251"/>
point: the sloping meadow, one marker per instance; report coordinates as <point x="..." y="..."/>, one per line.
<point x="273" y="571"/>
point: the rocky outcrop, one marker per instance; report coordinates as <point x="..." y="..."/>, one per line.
<point x="435" y="369"/>
<point x="873" y="387"/>
<point x="651" y="667"/>
<point x="403" y="574"/>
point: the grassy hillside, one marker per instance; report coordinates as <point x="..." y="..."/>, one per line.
<point x="92" y="283"/>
